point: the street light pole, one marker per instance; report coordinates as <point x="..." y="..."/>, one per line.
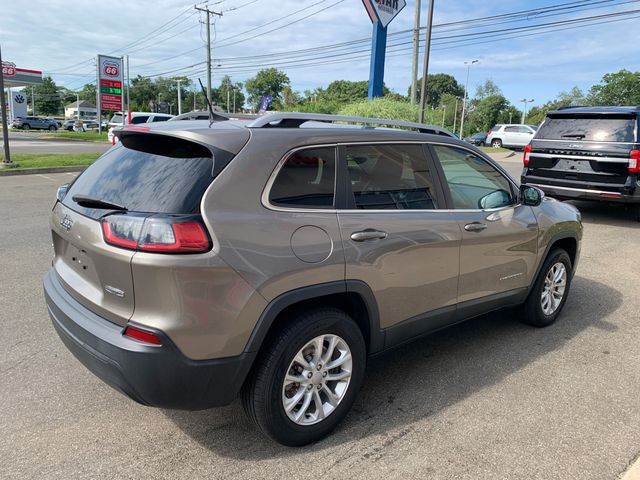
<point x="466" y="91"/>
<point x="455" y="115"/>
<point x="524" y="112"/>
<point x="179" y="97"/>
<point x="416" y="45"/>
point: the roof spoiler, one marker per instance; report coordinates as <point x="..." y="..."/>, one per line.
<point x="295" y="120"/>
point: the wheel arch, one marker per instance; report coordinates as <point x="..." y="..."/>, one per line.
<point x="565" y="240"/>
<point x="354" y="297"/>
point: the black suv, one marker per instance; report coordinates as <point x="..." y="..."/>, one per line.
<point x="589" y="153"/>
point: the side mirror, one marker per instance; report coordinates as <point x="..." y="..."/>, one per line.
<point x="62" y="191"/>
<point x="531" y="196"/>
<point x="495" y="199"/>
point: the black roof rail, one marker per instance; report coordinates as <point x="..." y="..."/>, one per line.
<point x="295" y="120"/>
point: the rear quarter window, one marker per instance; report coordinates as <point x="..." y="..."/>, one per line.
<point x="589" y="128"/>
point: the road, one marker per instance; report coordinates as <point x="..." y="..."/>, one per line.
<point x="36" y="142"/>
<point x="488" y="399"/>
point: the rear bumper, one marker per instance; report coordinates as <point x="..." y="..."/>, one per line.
<point x="159" y="376"/>
<point x="579" y="193"/>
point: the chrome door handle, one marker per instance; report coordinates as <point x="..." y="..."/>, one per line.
<point x="368" y="234"/>
<point x="475" y="227"/>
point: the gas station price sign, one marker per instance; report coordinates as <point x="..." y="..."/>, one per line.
<point x="113" y="87"/>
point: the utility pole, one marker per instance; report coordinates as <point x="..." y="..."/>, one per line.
<point x="5" y="127"/>
<point x="416" y="46"/>
<point x="234" y="100"/>
<point x="425" y="62"/>
<point x="466" y="91"/>
<point x="128" y="93"/>
<point x="33" y="102"/>
<point x="444" y="114"/>
<point x="524" y="112"/>
<point x="209" y="13"/>
<point x="179" y="98"/>
<point x="228" y="98"/>
<point x="195" y="92"/>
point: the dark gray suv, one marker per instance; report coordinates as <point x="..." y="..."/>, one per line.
<point x="588" y="153"/>
<point x="37" y="123"/>
<point x="194" y="263"/>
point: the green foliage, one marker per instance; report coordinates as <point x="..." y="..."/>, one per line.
<point x="485" y="113"/>
<point x="223" y="96"/>
<point x="575" y="96"/>
<point x="488" y="89"/>
<point x="385" y="108"/>
<point x="269" y="81"/>
<point x="88" y="93"/>
<point x="619" y="88"/>
<point x="48" y="98"/>
<point x="439" y="84"/>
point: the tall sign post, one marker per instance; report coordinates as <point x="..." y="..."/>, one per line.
<point x="109" y="80"/>
<point x="381" y="12"/>
<point x="5" y="128"/>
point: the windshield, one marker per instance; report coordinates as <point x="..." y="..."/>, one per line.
<point x="117" y="118"/>
<point x="589" y="128"/>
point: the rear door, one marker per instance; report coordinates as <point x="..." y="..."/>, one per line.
<point x="395" y="238"/>
<point x="583" y="151"/>
<point x="151" y="175"/>
<point x="499" y="236"/>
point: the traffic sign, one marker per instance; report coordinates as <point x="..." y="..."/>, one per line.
<point x="383" y="11"/>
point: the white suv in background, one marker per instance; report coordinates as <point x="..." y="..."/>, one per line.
<point x="136" y="118"/>
<point x="510" y="135"/>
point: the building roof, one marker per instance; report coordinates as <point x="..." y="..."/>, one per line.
<point x="83" y="103"/>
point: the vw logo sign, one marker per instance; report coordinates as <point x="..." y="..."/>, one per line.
<point x="19" y="98"/>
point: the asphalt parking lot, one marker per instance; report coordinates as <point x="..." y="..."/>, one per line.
<point x="36" y="141"/>
<point x="488" y="399"/>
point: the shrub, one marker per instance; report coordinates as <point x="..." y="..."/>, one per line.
<point x="385" y="108"/>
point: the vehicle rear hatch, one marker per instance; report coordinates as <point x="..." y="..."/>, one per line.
<point x="157" y="178"/>
<point x="585" y="151"/>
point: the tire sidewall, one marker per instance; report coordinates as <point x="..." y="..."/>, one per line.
<point x="282" y="427"/>
<point x="557" y="256"/>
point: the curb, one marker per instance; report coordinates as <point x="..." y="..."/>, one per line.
<point x="31" y="171"/>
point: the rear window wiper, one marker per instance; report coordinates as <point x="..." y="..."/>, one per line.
<point x="91" y="202"/>
<point x="579" y="136"/>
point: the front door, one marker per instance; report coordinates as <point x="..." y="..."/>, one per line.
<point x="499" y="236"/>
<point x="395" y="238"/>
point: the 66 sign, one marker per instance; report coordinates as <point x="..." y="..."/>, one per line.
<point x="110" y="69"/>
<point x="8" y="70"/>
<point x="110" y="82"/>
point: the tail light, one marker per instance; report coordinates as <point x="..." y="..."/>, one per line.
<point x="527" y="153"/>
<point x="634" y="161"/>
<point x="159" y="234"/>
<point x="489" y="132"/>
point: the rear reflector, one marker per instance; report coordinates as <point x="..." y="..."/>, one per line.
<point x="142" y="336"/>
<point x="611" y="195"/>
<point x="634" y="161"/>
<point x="527" y="153"/>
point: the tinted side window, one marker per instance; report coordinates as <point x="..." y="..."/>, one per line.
<point x="512" y="129"/>
<point x="390" y="177"/>
<point x="160" y="119"/>
<point x="306" y="180"/>
<point x="473" y="182"/>
<point x="140" y="119"/>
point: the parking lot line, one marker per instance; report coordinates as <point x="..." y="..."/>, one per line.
<point x="44" y="176"/>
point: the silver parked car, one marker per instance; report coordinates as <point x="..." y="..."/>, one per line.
<point x="510" y="135"/>
<point x="268" y="259"/>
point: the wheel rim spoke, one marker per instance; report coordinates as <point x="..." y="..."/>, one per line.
<point x="555" y="283"/>
<point x="317" y="379"/>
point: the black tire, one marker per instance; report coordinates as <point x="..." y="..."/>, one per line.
<point x="531" y="311"/>
<point x="26" y="126"/>
<point x="262" y="393"/>
<point x="52" y="128"/>
<point x="496" y="143"/>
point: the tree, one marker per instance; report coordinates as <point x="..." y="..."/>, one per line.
<point x="488" y="89"/>
<point x="575" y="96"/>
<point x="269" y="81"/>
<point x="486" y="112"/>
<point x="619" y="88"/>
<point x="439" y="84"/>
<point x="224" y="94"/>
<point x="48" y="98"/>
<point x="143" y="92"/>
<point x="88" y="93"/>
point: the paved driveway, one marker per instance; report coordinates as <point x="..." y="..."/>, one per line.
<point x="488" y="399"/>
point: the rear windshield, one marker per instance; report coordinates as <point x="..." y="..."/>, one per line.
<point x="116" y="118"/>
<point x="159" y="175"/>
<point x="596" y="129"/>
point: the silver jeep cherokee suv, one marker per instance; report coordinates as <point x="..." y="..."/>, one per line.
<point x="194" y="263"/>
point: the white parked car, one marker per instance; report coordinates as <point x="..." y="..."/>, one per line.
<point x="510" y="135"/>
<point x="136" y="118"/>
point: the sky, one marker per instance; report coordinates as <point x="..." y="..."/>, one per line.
<point x="62" y="39"/>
